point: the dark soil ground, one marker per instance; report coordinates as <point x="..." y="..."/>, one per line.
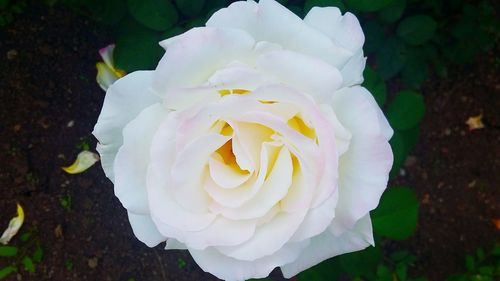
<point x="50" y="102"/>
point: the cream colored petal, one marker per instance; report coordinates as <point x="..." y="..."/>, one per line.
<point x="14" y="225"/>
<point x="105" y="76"/>
<point x="327" y="245"/>
<point x="84" y="160"/>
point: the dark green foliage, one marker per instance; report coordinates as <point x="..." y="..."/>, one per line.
<point x="416" y="30"/>
<point x="406" y="110"/>
<point x="155" y="14"/>
<point x="397" y="213"/>
<point x="9" y="9"/>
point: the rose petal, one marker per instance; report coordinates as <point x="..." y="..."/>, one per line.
<point x="132" y="159"/>
<point x="304" y="73"/>
<point x="274" y="188"/>
<point x="363" y="179"/>
<point x="194" y="56"/>
<point x="229" y="269"/>
<point x="270" y="21"/>
<point x="145" y="230"/>
<point x="14" y="225"/>
<point x="327" y="245"/>
<point x="83" y="161"/>
<point x="268" y="238"/>
<point x="124" y="100"/>
<point x="343" y="30"/>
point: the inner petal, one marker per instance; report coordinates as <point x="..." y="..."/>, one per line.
<point x="226" y="175"/>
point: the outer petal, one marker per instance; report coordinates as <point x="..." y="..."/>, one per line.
<point x="194" y="56"/>
<point x="131" y="162"/>
<point x="343" y="30"/>
<point x="270" y="21"/>
<point x="145" y="230"/>
<point x="124" y="100"/>
<point x="327" y="245"/>
<point x="364" y="168"/>
<point x="268" y="238"/>
<point x="304" y="73"/>
<point x="229" y="269"/>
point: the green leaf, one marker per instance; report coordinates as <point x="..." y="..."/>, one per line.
<point x="391" y="58"/>
<point x="6" y="271"/>
<point x="108" y="12"/>
<point x="324" y="3"/>
<point x="155" y="14"/>
<point x="190" y="8"/>
<point x="8" y="251"/>
<point x="330" y="269"/>
<point x="415" y="72"/>
<point x="375" y="36"/>
<point x="28" y="264"/>
<point x="137" y="48"/>
<point x="399" y="152"/>
<point x="393" y="11"/>
<point x="470" y="263"/>
<point x="397" y="214"/>
<point x="361" y="262"/>
<point x="38" y="254"/>
<point x="3" y="4"/>
<point x="406" y="110"/>
<point x="402" y="143"/>
<point x="25" y="237"/>
<point x="367" y="5"/>
<point x="416" y="30"/>
<point x="374" y="83"/>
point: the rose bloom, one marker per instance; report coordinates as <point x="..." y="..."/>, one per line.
<point x="252" y="145"/>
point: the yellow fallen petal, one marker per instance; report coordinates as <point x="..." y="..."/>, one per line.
<point x="107" y="73"/>
<point x="475" y="122"/>
<point x="14" y="226"/>
<point x="84" y="160"/>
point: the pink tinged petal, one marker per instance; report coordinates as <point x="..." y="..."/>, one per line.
<point x="357" y="111"/>
<point x="317" y="219"/>
<point x="195" y="55"/>
<point x="132" y="159"/>
<point x="274" y="189"/>
<point x="345" y="30"/>
<point x="190" y="171"/>
<point x="124" y="100"/>
<point x="106" y="54"/>
<point x="165" y="210"/>
<point x="361" y="93"/>
<point x="230" y="269"/>
<point x="270" y="21"/>
<point x="268" y="238"/>
<point x="327" y="245"/>
<point x="304" y="73"/>
<point x="363" y="179"/>
<point x="145" y="230"/>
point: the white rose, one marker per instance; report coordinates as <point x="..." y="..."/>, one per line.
<point x="252" y="145"/>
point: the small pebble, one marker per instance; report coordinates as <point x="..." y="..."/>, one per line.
<point x="70" y="124"/>
<point x="92" y="262"/>
<point x="12" y="54"/>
